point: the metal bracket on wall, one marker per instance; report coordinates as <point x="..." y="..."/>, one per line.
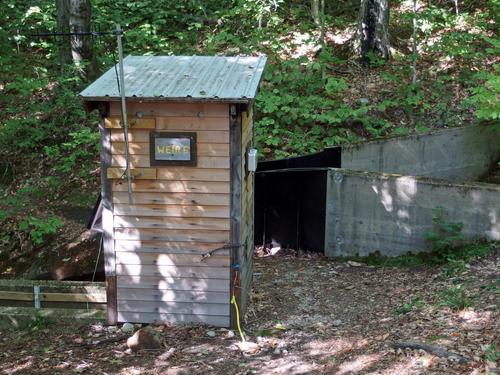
<point x="36" y="295"/>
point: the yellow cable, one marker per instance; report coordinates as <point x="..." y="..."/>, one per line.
<point x="233" y="302"/>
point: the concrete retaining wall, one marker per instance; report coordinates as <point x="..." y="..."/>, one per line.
<point x="390" y="214"/>
<point x="458" y="154"/>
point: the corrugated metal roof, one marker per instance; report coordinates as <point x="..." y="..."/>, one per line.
<point x="200" y="78"/>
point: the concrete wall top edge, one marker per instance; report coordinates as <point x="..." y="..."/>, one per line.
<point x="421" y="179"/>
<point x="348" y="146"/>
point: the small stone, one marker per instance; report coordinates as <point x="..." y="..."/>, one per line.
<point x="364" y="100"/>
<point x="337" y="323"/>
<point x="112" y="329"/>
<point x="128" y="328"/>
<point x="284" y="352"/>
<point x="143" y="339"/>
<point x="354" y="264"/>
<point x="230" y="334"/>
<point x="97" y="327"/>
<point x="211" y="333"/>
<point x="349" y="287"/>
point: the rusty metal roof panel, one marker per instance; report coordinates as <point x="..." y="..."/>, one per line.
<point x="176" y="78"/>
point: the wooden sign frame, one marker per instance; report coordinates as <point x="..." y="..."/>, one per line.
<point x="191" y="136"/>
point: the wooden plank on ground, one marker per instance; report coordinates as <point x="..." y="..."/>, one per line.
<point x="74" y="297"/>
<point x="54" y="297"/>
<point x="136" y="173"/>
<point x="172" y="109"/>
<point x="173" y="271"/>
<point x="148" y="283"/>
<point x="142" y="161"/>
<point x="213" y="320"/>
<point x="165" y="186"/>
<point x="16" y="296"/>
<point x="150" y="259"/>
<point x="140" y="135"/>
<point x="163" y="247"/>
<point x="174" y="235"/>
<point x="138" y="294"/>
<point x="171" y="222"/>
<point x="134" y="123"/>
<point x="195" y="199"/>
<point x="193" y="308"/>
<point x="171" y="210"/>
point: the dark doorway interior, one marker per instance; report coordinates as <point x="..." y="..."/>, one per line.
<point x="290" y="200"/>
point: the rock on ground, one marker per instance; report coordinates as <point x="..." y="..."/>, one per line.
<point x="143" y="339"/>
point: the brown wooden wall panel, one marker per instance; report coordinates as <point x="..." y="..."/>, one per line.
<point x="142" y="148"/>
<point x="173" y="271"/>
<point x="166" y="295"/>
<point x="135" y="173"/>
<point x="192" y="123"/>
<point x="164" y="247"/>
<point x="142" y="161"/>
<point x="213" y="320"/>
<point x="192" y="174"/>
<point x="171" y="235"/>
<point x="171" y="222"/>
<point x="151" y="259"/>
<point x="155" y="283"/>
<point x="134" y="123"/>
<point x="196" y="199"/>
<point x="171" y="109"/>
<point x="137" y="135"/>
<point x="193" y="308"/>
<point x="164" y="186"/>
<point x="171" y="210"/>
<point x="177" y="216"/>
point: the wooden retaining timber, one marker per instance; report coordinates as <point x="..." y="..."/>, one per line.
<point x="53" y="294"/>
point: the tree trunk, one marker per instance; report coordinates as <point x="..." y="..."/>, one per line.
<point x="373" y="29"/>
<point x="74" y="16"/>
<point x="315" y="12"/>
<point x="82" y="46"/>
<point x="65" y="57"/>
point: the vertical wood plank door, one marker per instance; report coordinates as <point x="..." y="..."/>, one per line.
<point x="178" y="214"/>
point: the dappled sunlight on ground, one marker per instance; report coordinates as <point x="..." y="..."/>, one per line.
<point x="308" y="315"/>
<point x="358" y="364"/>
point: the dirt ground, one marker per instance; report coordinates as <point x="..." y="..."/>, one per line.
<point x="308" y="315"/>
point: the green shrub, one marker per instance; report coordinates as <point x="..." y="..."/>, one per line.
<point x="415" y="304"/>
<point x="38" y="229"/>
<point x="455" y="298"/>
<point x="446" y="237"/>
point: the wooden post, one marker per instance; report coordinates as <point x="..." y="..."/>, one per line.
<point x="235" y="221"/>
<point x="107" y="219"/>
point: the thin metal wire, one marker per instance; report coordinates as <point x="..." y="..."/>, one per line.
<point x="83" y="33"/>
<point x="97" y="260"/>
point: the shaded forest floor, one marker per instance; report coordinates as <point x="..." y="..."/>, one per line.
<point x="308" y="315"/>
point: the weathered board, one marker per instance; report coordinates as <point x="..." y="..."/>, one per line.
<point x="177" y="215"/>
<point x="158" y="210"/>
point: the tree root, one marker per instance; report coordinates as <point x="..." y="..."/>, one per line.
<point x="432" y="349"/>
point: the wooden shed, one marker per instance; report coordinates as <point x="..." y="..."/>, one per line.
<point x="180" y="245"/>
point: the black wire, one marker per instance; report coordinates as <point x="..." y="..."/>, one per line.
<point x="83" y="33"/>
<point x="116" y="74"/>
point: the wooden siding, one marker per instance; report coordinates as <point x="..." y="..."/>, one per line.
<point x="247" y="196"/>
<point x="178" y="214"/>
